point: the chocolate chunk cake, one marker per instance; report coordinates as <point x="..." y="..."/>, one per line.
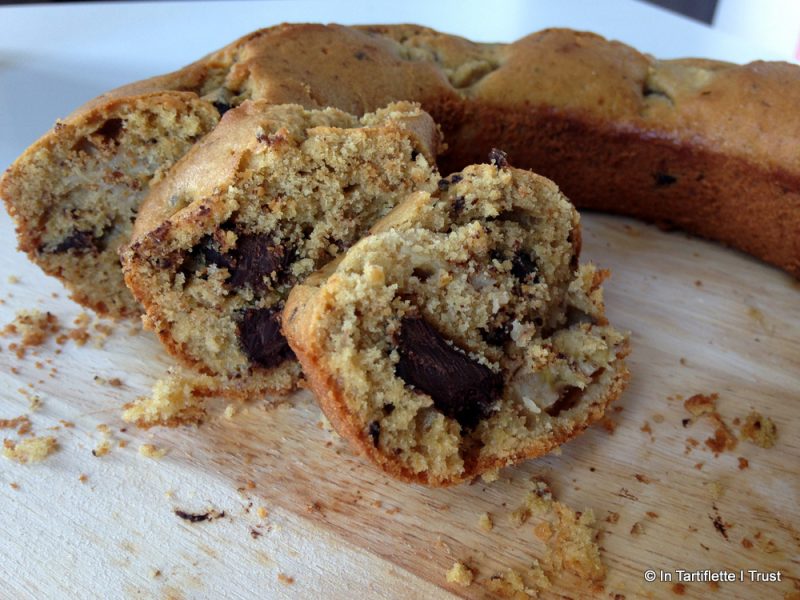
<point x="74" y="194"/>
<point x="461" y="335"/>
<point x="703" y="145"/>
<point x="271" y="195"/>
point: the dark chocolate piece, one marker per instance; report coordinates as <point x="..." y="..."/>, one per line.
<point x="257" y="257"/>
<point x="261" y="337"/>
<point x="192" y="518"/>
<point x="222" y="107"/>
<point x="443" y="185"/>
<point x="82" y="242"/>
<point x="79" y="241"/>
<point x="207" y="251"/>
<point x="523" y="267"/>
<point x="498" y="158"/>
<point x="375" y="432"/>
<point x="497" y="336"/>
<point x="460" y="387"/>
<point x="110" y="130"/>
<point x="198" y="517"/>
<point x="664" y="179"/>
<point x="570" y="396"/>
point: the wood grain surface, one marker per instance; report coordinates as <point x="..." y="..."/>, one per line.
<point x="704" y="319"/>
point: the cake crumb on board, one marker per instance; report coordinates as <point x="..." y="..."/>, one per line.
<point x="33" y="327"/>
<point x="460" y="574"/>
<point x="759" y="430"/>
<point x="151" y="451"/>
<point x="569" y="537"/>
<point x="30" y="450"/>
<point x="174" y="400"/>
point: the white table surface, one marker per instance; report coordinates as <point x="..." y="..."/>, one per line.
<point x="53" y="58"/>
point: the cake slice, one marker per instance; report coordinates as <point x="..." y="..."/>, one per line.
<point x="271" y="195"/>
<point x="461" y="335"/>
<point x="74" y="194"/>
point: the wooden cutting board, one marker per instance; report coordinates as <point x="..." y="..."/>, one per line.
<point x="704" y="319"/>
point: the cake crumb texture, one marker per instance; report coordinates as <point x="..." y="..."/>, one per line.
<point x="460" y="574"/>
<point x="30" y="450"/>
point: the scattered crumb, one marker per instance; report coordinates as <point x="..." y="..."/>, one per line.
<point x="33" y="327"/>
<point x="683" y="362"/>
<point x="12" y="279"/>
<point x="199" y="517"/>
<point x="22" y="424"/>
<point x="701" y="404"/>
<point x="485" y="522"/>
<point x="150" y="451"/>
<point x="285" y="579"/>
<point x="571" y="547"/>
<point x="461" y="574"/>
<point x="637" y="528"/>
<point x="113" y="382"/>
<point x="34" y="403"/>
<point x="103" y="448"/>
<point x="759" y="430"/>
<point x="14" y="485"/>
<point x="83" y="478"/>
<point x="512" y="584"/>
<point x="491" y="476"/>
<point x="262" y="512"/>
<point x="743" y="463"/>
<point x="30" y="450"/>
<point x="678" y="589"/>
<point x="723" y="438"/>
<point x="642" y="478"/>
<point x="765" y="545"/>
<point x="706" y="405"/>
<point x="230" y="411"/>
<point x="543" y="531"/>
<point x="174" y="400"/>
<point x="716" y="489"/>
<point x="613" y="517"/>
<point x="651" y="514"/>
<point x="747" y="543"/>
<point x="608" y="424"/>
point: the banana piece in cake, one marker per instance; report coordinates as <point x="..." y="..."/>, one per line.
<point x="271" y="195"/>
<point x="461" y="335"/>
